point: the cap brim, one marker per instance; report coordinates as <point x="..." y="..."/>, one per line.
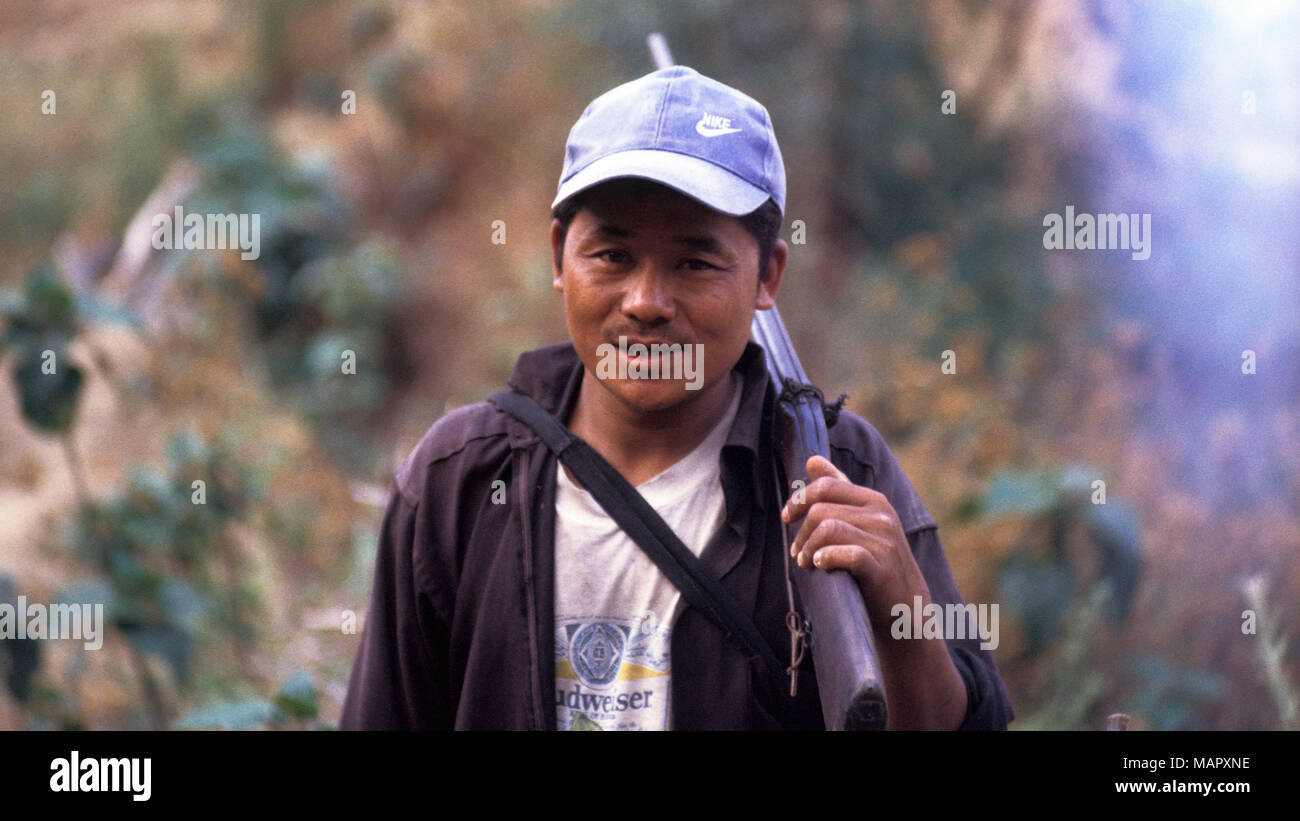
<point x="712" y="185"/>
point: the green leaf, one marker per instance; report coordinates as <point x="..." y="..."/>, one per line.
<point x="90" y="308"/>
<point x="1114" y="529"/>
<point x="1022" y="493"/>
<point x="48" y="304"/>
<point x="230" y="715"/>
<point x="172" y="645"/>
<point x="967" y="509"/>
<point x="1075" y="483"/>
<point x="48" y="400"/>
<point x="1173" y="697"/>
<point x="297" y="698"/>
<point x="89" y="591"/>
<point x="187" y="454"/>
<point x="183" y="607"/>
<point x="1038" y="593"/>
<point x="11" y="305"/>
<point x="19" y="659"/>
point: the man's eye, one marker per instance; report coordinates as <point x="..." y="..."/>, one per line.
<point x="613" y="256"/>
<point x="699" y="265"/>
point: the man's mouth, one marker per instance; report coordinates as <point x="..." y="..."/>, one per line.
<point x="649" y="344"/>
<point x="627" y="342"/>
<point x="641" y="357"/>
<point x="653" y="353"/>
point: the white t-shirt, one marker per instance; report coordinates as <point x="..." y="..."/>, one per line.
<point x="614" y="610"/>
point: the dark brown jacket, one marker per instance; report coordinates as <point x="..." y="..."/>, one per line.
<point x="459" y="633"/>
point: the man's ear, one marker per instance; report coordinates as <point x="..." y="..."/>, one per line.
<point x="557" y="254"/>
<point x="771" y="279"/>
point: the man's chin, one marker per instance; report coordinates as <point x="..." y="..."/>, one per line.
<point x="651" y="396"/>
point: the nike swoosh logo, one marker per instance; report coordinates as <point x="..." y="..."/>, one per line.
<point x="710" y="131"/>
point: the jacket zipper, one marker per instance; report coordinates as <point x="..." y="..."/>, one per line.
<point x="526" y="548"/>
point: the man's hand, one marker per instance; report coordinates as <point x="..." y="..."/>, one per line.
<point x="855" y="528"/>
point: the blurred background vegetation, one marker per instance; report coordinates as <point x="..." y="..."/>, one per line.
<point x="199" y="372"/>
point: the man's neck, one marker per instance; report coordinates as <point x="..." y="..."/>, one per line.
<point x="640" y="445"/>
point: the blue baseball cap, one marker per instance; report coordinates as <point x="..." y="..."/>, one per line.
<point x="679" y="128"/>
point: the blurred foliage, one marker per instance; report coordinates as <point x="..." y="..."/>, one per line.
<point x="321" y="290"/>
<point x="324" y="299"/>
<point x="19" y="658"/>
<point x="1055" y="604"/>
<point x="1172" y="696"/>
<point x="1168" y="696"/>
<point x="40" y="324"/>
<point x="293" y="707"/>
<point x="1073" y="684"/>
<point x="1040" y="584"/>
<point x="168" y="570"/>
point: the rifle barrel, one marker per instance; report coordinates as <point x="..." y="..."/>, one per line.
<point x="659" y="50"/>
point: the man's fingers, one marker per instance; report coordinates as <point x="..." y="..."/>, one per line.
<point x="825" y="488"/>
<point x="819" y="466"/>
<point x="819" y="513"/>
<point x="828" y="531"/>
<point x="871" y="519"/>
<point x="851" y="557"/>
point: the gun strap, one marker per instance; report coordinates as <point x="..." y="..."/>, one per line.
<point x="644" y="526"/>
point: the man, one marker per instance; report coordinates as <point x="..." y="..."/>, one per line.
<point x="506" y="597"/>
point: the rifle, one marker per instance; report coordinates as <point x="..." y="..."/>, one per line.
<point x="849" y="683"/>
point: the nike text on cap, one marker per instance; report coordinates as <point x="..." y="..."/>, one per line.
<point x="684" y="130"/>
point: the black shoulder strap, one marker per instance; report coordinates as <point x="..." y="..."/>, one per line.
<point x="643" y="525"/>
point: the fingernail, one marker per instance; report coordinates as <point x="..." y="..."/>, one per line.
<point x="817" y="560"/>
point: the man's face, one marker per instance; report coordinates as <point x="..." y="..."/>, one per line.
<point x="644" y="262"/>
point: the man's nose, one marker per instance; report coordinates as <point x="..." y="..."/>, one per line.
<point x="649" y="297"/>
